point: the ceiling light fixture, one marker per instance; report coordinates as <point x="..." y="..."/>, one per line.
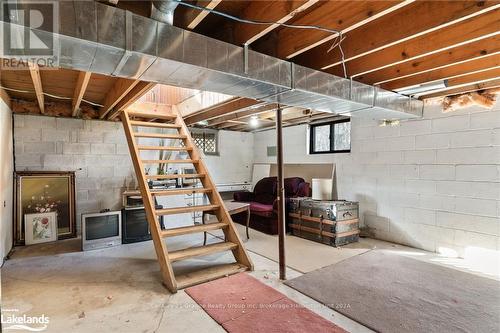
<point x="422" y="88"/>
<point x="254" y="121"/>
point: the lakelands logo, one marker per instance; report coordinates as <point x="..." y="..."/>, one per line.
<point x="29" y="32"/>
<point x="12" y="321"/>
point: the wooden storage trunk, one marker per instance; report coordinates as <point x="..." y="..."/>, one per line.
<point x="330" y="222"/>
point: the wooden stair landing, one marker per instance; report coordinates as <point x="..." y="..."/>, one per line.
<point x="232" y="243"/>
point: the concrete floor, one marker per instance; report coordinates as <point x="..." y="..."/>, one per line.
<point x="119" y="289"/>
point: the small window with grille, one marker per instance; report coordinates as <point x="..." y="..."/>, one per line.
<point x="206" y="140"/>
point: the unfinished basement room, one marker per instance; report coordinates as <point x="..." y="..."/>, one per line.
<point x="250" y="166"/>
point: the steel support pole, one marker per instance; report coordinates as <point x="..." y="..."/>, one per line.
<point x="281" y="194"/>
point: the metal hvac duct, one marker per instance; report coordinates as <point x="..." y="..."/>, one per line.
<point x="163" y="11"/>
<point x="102" y="39"/>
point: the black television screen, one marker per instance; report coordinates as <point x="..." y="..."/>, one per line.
<point x="97" y="227"/>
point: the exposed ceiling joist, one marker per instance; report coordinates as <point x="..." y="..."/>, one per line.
<point x="81" y="85"/>
<point x="449" y="72"/>
<point x="336" y="15"/>
<point x="460" y="34"/>
<point x="37" y="84"/>
<point x="241" y="114"/>
<point x="411" y="21"/>
<point x="270" y="11"/>
<point x="485" y="48"/>
<point x="119" y="90"/>
<point x="231" y="123"/>
<point x="191" y="17"/>
<point x="220" y="109"/>
<point x="468" y="80"/>
<point x="464" y="89"/>
<point x="134" y="94"/>
<point x="478" y="77"/>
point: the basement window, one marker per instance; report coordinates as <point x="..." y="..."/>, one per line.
<point x="331" y="137"/>
<point x="206" y="140"/>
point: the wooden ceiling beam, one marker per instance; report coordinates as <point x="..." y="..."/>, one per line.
<point x="190" y="18"/>
<point x="81" y="85"/>
<point x="134" y="94"/>
<point x="119" y="90"/>
<point x="449" y="72"/>
<point x="230" y="106"/>
<point x="336" y="15"/>
<point x="411" y="21"/>
<point x="230" y="123"/>
<point x="472" y="78"/>
<point x="37" y="84"/>
<point x="485" y="48"/>
<point x="453" y="36"/>
<point x="463" y="89"/>
<point x="242" y="114"/>
<point x="269" y="11"/>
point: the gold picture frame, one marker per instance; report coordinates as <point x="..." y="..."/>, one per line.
<point x="42" y="192"/>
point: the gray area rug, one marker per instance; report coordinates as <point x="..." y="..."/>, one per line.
<point x="391" y="293"/>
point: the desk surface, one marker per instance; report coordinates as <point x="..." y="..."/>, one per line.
<point x="233" y="206"/>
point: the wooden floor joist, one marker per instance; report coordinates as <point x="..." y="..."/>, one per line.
<point x="232" y="241"/>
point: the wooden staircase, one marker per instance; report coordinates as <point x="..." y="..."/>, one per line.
<point x="165" y="258"/>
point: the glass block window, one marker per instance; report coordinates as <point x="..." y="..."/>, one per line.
<point x="205" y="140"/>
<point x="332" y="137"/>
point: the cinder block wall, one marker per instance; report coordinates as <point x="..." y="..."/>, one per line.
<point x="96" y="150"/>
<point x="432" y="183"/>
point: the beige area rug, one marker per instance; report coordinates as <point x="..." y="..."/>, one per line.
<point x="388" y="292"/>
<point x="302" y="255"/>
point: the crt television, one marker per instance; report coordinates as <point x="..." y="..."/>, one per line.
<point x="101" y="230"/>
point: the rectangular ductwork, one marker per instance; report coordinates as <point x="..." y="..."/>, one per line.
<point x="102" y="39"/>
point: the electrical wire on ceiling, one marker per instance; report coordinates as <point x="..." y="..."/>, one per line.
<point x="50" y="95"/>
<point x="336" y="43"/>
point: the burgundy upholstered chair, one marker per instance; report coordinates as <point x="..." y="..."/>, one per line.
<point x="263" y="203"/>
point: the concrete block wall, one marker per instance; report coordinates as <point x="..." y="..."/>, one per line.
<point x="431" y="183"/>
<point x="96" y="150"/>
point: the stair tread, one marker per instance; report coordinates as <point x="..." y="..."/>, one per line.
<point x="174" y="191"/>
<point x="169" y="161"/>
<point x="153" y="124"/>
<point x="193" y="229"/>
<point x="182" y="175"/>
<point x="158" y="135"/>
<point x="164" y="148"/>
<point x="199" y="251"/>
<point x="187" y="209"/>
<point x="152" y="115"/>
<point x="208" y="274"/>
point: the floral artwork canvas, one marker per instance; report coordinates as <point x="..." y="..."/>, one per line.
<point x="44" y="192"/>
<point x="40" y="228"/>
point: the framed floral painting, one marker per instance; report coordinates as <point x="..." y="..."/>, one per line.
<point x="40" y="227"/>
<point x="45" y="192"/>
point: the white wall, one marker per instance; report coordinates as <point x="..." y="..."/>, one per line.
<point x="235" y="160"/>
<point x="6" y="179"/>
<point x="432" y="183"/>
